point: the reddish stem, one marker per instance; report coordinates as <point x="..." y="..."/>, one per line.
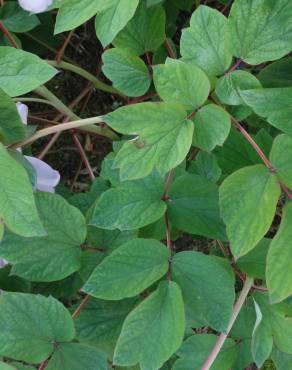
<point x="234" y="67"/>
<point x="43" y="365"/>
<point x="61" y="52"/>
<point x="267" y="163"/>
<point x="81" y="306"/>
<point x="169" y="49"/>
<point x="83" y="156"/>
<point x="8" y="35"/>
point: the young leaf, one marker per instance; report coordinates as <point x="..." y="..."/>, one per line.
<point x="273" y="325"/>
<point x="204" y="43"/>
<point x="228" y="86"/>
<point x="11" y="127"/>
<point x="112" y="17"/>
<point x="278" y="273"/>
<point x="180" y="82"/>
<point x="21" y="72"/>
<point x="164" y="138"/>
<point x="161" y="316"/>
<point x="128" y="72"/>
<point x="248" y="200"/>
<point x="75" y="356"/>
<point x="130" y="205"/>
<point x="207" y="284"/>
<point x="31" y="325"/>
<point x="50" y="257"/>
<point x="280" y="157"/>
<point x="196" y="348"/>
<point x="193" y="206"/>
<point x="73" y="13"/>
<point x="100" y="322"/>
<point x="129" y="270"/>
<point x="272" y="104"/>
<point x="17" y="205"/>
<point x="257" y="42"/>
<point x="212" y="126"/>
<point x="145" y="31"/>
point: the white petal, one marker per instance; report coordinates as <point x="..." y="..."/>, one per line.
<point x="22" y="111"/>
<point x="35" y="6"/>
<point x="47" y="177"/>
<point x="3" y="262"/>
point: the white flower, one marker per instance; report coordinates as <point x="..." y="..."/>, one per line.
<point x="46" y="177"/>
<point x="35" y="6"/>
<point x="3" y="263"/>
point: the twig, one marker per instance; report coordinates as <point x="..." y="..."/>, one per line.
<point x="83" y="156"/>
<point x="223" y="336"/>
<point x="8" y="35"/>
<point x="81" y="306"/>
<point x="61" y="52"/>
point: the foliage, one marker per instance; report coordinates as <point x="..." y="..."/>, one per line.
<point x="178" y="256"/>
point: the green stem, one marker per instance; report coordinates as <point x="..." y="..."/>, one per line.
<point x="61" y="107"/>
<point x="223" y="336"/>
<point x="83" y="73"/>
<point x="35" y="100"/>
<point x="61" y="127"/>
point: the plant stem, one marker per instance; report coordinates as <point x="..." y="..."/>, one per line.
<point x="81" y="306"/>
<point x="267" y="163"/>
<point x="8" y="35"/>
<point x="58" y="128"/>
<point x="83" y="156"/>
<point x="61" y="107"/>
<point x="83" y="73"/>
<point x="223" y="336"/>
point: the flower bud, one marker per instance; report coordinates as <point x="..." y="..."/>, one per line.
<point x="35" y="6"/>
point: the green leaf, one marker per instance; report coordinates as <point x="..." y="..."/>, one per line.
<point x="228" y="86"/>
<point x="206" y="166"/>
<point x="50" y="257"/>
<point x="16" y="19"/>
<point x="130" y="205"/>
<point x="180" y="82"/>
<point x="207" y="284"/>
<point x="277" y="74"/>
<point x="145" y="31"/>
<point x="248" y="200"/>
<point x="21" y="72"/>
<point x="212" y="126"/>
<point x="11" y="127"/>
<point x="280" y="157"/>
<point x="112" y="17"/>
<point x="254" y="262"/>
<point x="128" y="72"/>
<point x="283" y="361"/>
<point x="100" y="322"/>
<point x="193" y="206"/>
<point x="273" y="325"/>
<point x="129" y="270"/>
<point x="161" y="315"/>
<point x="31" y="325"/>
<point x="75" y="356"/>
<point x="4" y="366"/>
<point x="109" y="240"/>
<point x="16" y="194"/>
<point x="196" y="348"/>
<point x="163" y="138"/>
<point x="257" y="41"/>
<point x="273" y="105"/>
<point x="279" y="275"/>
<point x="204" y="42"/>
<point x="73" y="13"/>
